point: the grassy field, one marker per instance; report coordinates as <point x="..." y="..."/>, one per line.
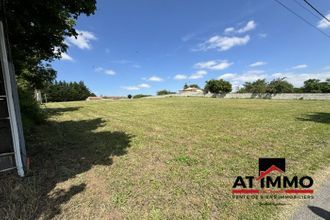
<point x="163" y="158"/>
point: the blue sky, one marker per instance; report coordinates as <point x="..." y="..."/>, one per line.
<point x="142" y="46"/>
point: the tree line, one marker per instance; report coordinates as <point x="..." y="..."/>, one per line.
<point x="62" y="91"/>
<point x="279" y="85"/>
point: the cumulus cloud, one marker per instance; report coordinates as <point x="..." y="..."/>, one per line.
<point x="222" y="43"/>
<point x="197" y="75"/>
<point x="248" y="27"/>
<point x="180" y="77"/>
<point x="229" y="30"/>
<point x="213" y="65"/>
<point x="227" y="76"/>
<point x="138" y="87"/>
<point x="83" y="40"/>
<point x="131" y="88"/>
<point x="105" y="71"/>
<point x="144" y="85"/>
<point x="65" y="56"/>
<point x="298" y="79"/>
<point x="324" y="24"/>
<point x="155" y="79"/>
<point x="258" y="63"/>
<point x="109" y="72"/>
<point x="300" y="66"/>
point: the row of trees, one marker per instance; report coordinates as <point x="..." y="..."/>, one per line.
<point x="61" y="91"/>
<point x="282" y="86"/>
<point x="279" y="85"/>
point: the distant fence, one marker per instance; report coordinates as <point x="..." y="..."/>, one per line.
<point x="281" y="96"/>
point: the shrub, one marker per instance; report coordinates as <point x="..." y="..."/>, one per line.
<point x="31" y="112"/>
<point x="279" y="86"/>
<point x="129" y="96"/>
<point x="165" y="92"/>
<point x="218" y="86"/>
<point x="140" y="96"/>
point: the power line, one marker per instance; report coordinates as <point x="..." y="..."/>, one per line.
<point x="316" y="10"/>
<point x="302" y="18"/>
<point x="304" y="7"/>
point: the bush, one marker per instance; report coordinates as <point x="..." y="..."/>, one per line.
<point x="279" y="86"/>
<point x="140" y="96"/>
<point x="218" y="86"/>
<point x="129" y="96"/>
<point x="165" y="92"/>
<point x="31" y="112"/>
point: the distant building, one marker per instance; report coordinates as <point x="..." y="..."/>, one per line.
<point x="191" y="90"/>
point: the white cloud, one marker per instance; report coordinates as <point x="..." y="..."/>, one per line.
<point x="324" y="24"/>
<point x="263" y="35"/>
<point x="248" y="27"/>
<point x="298" y="79"/>
<point x="229" y="30"/>
<point x="144" y="85"/>
<point x="131" y="88"/>
<point x="98" y="69"/>
<point x="137" y="66"/>
<point x="227" y="76"/>
<point x="223" y="43"/>
<point x="213" y="65"/>
<point x="105" y="71"/>
<point x="300" y="66"/>
<point x="258" y="63"/>
<point x="199" y="74"/>
<point x="155" y="79"/>
<point x="138" y="87"/>
<point x="180" y="77"/>
<point x="65" y="56"/>
<point x="83" y="40"/>
<point x="109" y="72"/>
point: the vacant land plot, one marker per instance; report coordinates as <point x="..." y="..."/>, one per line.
<point x="163" y="158"/>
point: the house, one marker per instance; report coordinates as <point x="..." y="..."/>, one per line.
<point x="191" y="90"/>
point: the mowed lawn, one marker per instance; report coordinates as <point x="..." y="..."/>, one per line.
<point x="163" y="158"/>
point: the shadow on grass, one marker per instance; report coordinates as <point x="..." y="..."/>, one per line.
<point x="59" y="151"/>
<point x="320" y="212"/>
<point x="321" y="117"/>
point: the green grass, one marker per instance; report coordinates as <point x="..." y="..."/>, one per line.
<point x="162" y="158"/>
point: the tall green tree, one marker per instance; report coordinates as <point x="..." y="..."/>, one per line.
<point x="36" y="30"/>
<point x="218" y="86"/>
<point x="279" y="85"/>
<point x="312" y="86"/>
<point x="259" y="86"/>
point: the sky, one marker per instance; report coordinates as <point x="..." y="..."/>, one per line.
<point x="142" y="46"/>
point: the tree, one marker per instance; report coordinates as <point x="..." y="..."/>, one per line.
<point x="61" y="91"/>
<point x="218" y="86"/>
<point x="164" y="92"/>
<point x="279" y="86"/>
<point x="36" y="32"/>
<point x="258" y="86"/>
<point x="129" y="96"/>
<point x="312" y="86"/>
<point x="185" y="86"/>
<point x="325" y="86"/>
